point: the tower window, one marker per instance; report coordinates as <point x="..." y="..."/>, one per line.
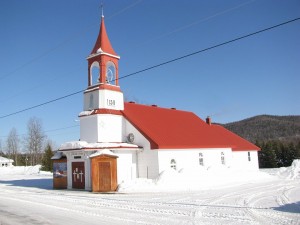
<point x="201" y="163"/>
<point x="249" y="156"/>
<point x="95" y="75"/>
<point x="173" y="164"/>
<point x="91" y="103"/>
<point x="222" y="158"/>
<point x="110" y="73"/>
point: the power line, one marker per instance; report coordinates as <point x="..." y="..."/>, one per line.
<point x="47" y="131"/>
<point x="210" y="48"/>
<point x="64" y="42"/>
<point x="160" y="64"/>
<point x="42" y="104"/>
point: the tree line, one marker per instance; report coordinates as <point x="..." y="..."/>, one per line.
<point x="276" y="153"/>
<point x="36" y="148"/>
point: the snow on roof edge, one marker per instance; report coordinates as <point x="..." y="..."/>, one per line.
<point x="73" y="145"/>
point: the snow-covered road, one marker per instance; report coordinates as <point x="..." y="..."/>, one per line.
<point x="29" y="199"/>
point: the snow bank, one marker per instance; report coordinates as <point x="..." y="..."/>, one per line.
<point x="193" y="179"/>
<point x="292" y="172"/>
<point x="20" y="170"/>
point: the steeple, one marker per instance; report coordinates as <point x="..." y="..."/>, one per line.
<point x="102" y="44"/>
<point x="106" y="59"/>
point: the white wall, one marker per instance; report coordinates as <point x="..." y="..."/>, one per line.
<point x="103" y="99"/>
<point x="147" y="160"/>
<point x="126" y="165"/>
<point x="88" y="128"/>
<point x="241" y="160"/>
<point x="187" y="158"/>
<point x="101" y="128"/>
<point x="109" y="128"/>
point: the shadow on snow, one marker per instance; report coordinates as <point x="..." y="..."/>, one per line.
<point x="291" y="207"/>
<point x="45" y="183"/>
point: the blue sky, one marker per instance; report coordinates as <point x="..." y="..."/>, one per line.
<point x="44" y="45"/>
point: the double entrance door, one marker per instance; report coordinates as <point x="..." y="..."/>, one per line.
<point x="78" y="175"/>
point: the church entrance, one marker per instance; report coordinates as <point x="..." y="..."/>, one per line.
<point x="104" y="173"/>
<point x="78" y="177"/>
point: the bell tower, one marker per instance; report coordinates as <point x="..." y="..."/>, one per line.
<point x="105" y="58"/>
<point x="103" y="91"/>
<point x="101" y="120"/>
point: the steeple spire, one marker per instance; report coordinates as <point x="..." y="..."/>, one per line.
<point x="102" y="44"/>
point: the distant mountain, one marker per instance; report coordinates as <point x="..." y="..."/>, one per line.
<point x="267" y="127"/>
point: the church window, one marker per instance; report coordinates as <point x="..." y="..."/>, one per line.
<point x="249" y="156"/>
<point x="173" y="164"/>
<point x="91" y="103"/>
<point x="201" y="163"/>
<point x="222" y="158"/>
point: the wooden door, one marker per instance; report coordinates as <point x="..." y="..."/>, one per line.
<point x="78" y="175"/>
<point x="104" y="176"/>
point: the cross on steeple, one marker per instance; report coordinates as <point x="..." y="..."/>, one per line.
<point x="102" y="15"/>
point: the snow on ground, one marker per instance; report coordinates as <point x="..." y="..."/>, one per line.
<point x="214" y="196"/>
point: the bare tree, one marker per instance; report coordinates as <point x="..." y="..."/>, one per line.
<point x="12" y="145"/>
<point x="35" y="140"/>
<point x="1" y="149"/>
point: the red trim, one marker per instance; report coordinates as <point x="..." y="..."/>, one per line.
<point x="103" y="87"/>
<point x="109" y="87"/>
<point x="106" y="111"/>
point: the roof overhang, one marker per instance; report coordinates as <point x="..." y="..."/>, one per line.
<point x="83" y="145"/>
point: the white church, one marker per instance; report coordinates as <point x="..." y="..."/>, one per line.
<point x="121" y="141"/>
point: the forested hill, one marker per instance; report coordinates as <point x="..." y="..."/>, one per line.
<point x="266" y="127"/>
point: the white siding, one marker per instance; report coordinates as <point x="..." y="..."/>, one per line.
<point x="126" y="165"/>
<point x="102" y="99"/>
<point x="188" y="158"/>
<point x="109" y="128"/>
<point x="88" y="128"/>
<point x="148" y="164"/>
<point x="101" y="128"/>
<point x="147" y="161"/>
<point x="241" y="161"/>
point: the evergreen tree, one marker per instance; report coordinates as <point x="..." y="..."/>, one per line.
<point x="46" y="161"/>
<point x="291" y="148"/>
<point x="267" y="156"/>
<point x="297" y="154"/>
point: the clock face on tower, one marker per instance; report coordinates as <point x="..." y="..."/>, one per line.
<point x="110" y="73"/>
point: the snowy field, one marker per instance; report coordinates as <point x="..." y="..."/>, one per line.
<point x="184" y="197"/>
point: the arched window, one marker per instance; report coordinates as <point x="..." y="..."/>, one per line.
<point x="94" y="73"/>
<point x="173" y="164"/>
<point x="110" y="73"/>
<point x="201" y="163"/>
<point x="222" y="158"/>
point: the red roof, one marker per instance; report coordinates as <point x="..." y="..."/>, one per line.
<point x="103" y="41"/>
<point x="176" y="129"/>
